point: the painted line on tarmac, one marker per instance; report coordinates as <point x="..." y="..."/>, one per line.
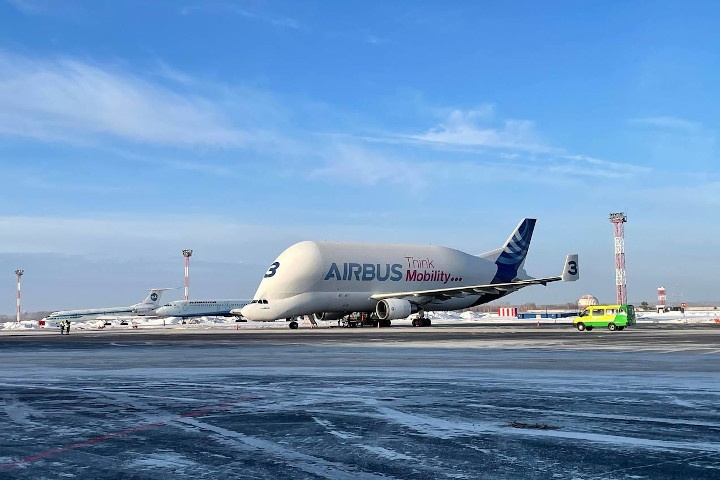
<point x="118" y="434"/>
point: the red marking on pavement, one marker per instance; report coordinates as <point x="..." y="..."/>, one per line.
<point x="110" y="436"/>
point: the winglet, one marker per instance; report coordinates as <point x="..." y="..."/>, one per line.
<point x="571" y="271"/>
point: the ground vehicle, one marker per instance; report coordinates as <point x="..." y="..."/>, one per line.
<point x="614" y="317"/>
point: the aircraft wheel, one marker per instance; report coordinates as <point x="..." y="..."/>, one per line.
<point x="580" y="326"/>
<point x="416" y="322"/>
<point x="293" y="325"/>
<point x="612" y="327"/>
<point x="427" y="322"/>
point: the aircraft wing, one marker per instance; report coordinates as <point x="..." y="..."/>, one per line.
<point x="570" y="273"/>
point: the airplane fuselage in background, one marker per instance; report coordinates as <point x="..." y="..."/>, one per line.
<point x="146" y="307"/>
<point x="91" y="313"/>
<point x="200" y="308"/>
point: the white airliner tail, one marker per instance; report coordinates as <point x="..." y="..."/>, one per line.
<point x="151" y="302"/>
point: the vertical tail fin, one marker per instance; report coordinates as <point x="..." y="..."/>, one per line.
<point x="571" y="270"/>
<point x="512" y="254"/>
<point x="153" y="297"/>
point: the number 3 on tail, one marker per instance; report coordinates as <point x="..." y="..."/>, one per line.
<point x="572" y="267"/>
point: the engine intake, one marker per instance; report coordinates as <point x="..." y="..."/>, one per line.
<point x="394" y="308"/>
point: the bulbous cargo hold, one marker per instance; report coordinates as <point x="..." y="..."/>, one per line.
<point x="328" y="280"/>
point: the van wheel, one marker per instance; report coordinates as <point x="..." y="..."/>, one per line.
<point x="612" y="327"/>
<point x="588" y="328"/>
<point x="580" y="326"/>
<point x="621" y="328"/>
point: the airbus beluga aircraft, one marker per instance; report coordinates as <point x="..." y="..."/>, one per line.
<point x="387" y="282"/>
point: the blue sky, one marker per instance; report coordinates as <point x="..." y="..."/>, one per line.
<point x="131" y="130"/>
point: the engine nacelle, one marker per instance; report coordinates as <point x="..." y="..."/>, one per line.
<point x="328" y="315"/>
<point x="394" y="308"/>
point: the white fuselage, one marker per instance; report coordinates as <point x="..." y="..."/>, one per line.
<point x="91" y="313"/>
<point x="200" y="308"/>
<point x="146" y="307"/>
<point x="313" y="277"/>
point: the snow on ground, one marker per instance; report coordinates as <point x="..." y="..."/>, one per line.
<point x="438" y="318"/>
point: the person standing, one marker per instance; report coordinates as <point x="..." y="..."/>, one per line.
<point x="67" y="327"/>
<point x="62" y="327"/>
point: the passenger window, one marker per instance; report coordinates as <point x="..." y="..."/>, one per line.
<point x="599" y="312"/>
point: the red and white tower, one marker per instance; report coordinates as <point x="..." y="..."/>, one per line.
<point x="187" y="254"/>
<point x="662" y="298"/>
<point x="19" y="274"/>
<point x="618" y="220"/>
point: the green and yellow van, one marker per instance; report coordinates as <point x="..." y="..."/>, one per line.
<point x="614" y="317"/>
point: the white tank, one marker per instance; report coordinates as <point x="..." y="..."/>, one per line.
<point x="586" y="301"/>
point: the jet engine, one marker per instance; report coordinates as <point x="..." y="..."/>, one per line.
<point x="394" y="308"/>
<point x="328" y="315"/>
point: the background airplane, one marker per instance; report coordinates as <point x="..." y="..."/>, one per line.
<point x="201" y="308"/>
<point x="332" y="280"/>
<point x="146" y="307"/>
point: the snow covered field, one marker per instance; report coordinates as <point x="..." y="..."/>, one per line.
<point x="133" y="408"/>
<point x="438" y="318"/>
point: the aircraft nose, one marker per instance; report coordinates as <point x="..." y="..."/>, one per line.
<point x="254" y="311"/>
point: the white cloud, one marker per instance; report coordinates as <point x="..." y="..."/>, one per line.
<point x="29" y="7"/>
<point x="355" y="164"/>
<point x="668" y="123"/>
<point x="467" y="128"/>
<point x="145" y="235"/>
<point x="72" y="101"/>
<point x="225" y="8"/>
<point x="594" y="167"/>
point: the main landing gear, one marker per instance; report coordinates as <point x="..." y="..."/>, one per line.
<point x="421" y="321"/>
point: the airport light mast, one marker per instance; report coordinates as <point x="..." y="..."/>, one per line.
<point x="19" y="274"/>
<point x="187" y="254"/>
<point x="618" y="220"/>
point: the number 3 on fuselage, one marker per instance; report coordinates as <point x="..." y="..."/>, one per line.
<point x="272" y="270"/>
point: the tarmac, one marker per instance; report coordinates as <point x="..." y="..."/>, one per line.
<point x="464" y="401"/>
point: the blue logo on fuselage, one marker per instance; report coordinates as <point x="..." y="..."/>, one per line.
<point x="365" y="272"/>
